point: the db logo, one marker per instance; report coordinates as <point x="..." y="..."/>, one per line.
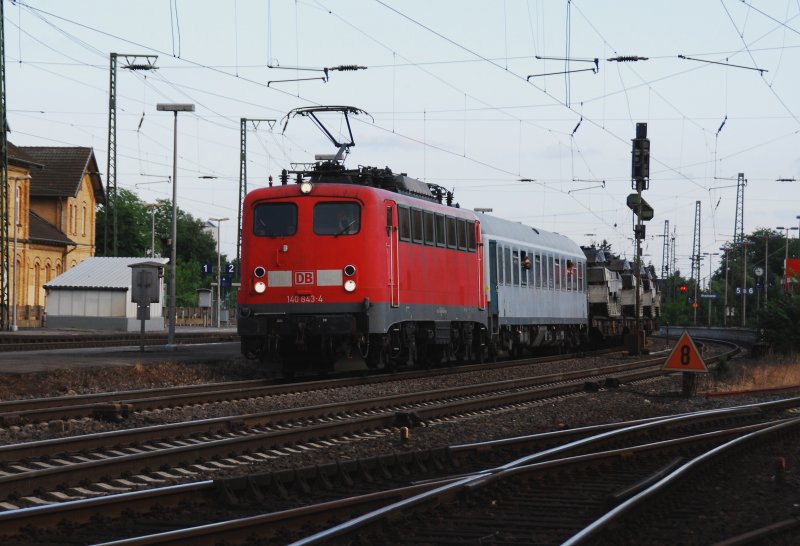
<point x="303" y="277"/>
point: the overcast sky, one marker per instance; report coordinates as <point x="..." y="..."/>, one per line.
<point x="455" y="94"/>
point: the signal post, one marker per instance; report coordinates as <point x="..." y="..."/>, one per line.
<point x="640" y="175"/>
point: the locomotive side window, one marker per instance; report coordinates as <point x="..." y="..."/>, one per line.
<point x="452" y="241"/>
<point x="404" y="223"/>
<point x="461" y="226"/>
<point x="416" y="225"/>
<point x="337" y="218"/>
<point x="275" y="219"/>
<point x="471" y="236"/>
<point x="537" y="270"/>
<point x="430" y="238"/>
<point x="440" y="231"/>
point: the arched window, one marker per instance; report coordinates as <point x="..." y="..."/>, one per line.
<point x="37" y="283"/>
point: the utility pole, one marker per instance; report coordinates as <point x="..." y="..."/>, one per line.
<point x="145" y="62"/>
<point x="696" y="257"/>
<point x="243" y="180"/>
<point x="5" y="304"/>
<point x="640" y="175"/>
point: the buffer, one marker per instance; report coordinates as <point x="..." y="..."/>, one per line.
<point x="685" y="357"/>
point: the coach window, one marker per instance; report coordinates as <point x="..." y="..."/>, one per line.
<point x="275" y="219"/>
<point x="550" y="279"/>
<point x="560" y="266"/>
<point x="452" y="241"/>
<point x="471" y="236"/>
<point x="526" y="264"/>
<point x="507" y="264"/>
<point x="461" y="227"/>
<point x="430" y="238"/>
<point x="537" y="270"/>
<point x="416" y="226"/>
<point x="440" y="232"/>
<point x="500" y="279"/>
<point x="515" y="266"/>
<point x="404" y="223"/>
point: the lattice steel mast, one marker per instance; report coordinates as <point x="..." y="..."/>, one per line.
<point x="738" y="228"/>
<point x="243" y="180"/>
<point x="146" y="62"/>
<point x="665" y="252"/>
<point x="4" y="280"/>
<point x="696" y="256"/>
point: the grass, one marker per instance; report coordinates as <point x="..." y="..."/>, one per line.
<point x="768" y="372"/>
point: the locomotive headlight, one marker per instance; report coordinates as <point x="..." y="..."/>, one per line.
<point x="305" y="187"/>
<point x="349" y="270"/>
<point x="349" y="285"/>
<point x="259" y="272"/>
<point x="260" y="287"/>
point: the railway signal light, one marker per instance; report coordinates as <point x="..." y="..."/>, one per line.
<point x="682" y="288"/>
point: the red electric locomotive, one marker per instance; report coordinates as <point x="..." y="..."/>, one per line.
<point x="327" y="270"/>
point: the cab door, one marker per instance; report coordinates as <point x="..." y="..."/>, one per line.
<point x="392" y="253"/>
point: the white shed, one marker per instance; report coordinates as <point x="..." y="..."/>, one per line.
<point x="96" y="295"/>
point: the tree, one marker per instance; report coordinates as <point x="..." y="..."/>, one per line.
<point x="196" y="246"/>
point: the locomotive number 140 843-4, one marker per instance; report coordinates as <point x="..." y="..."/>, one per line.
<point x="304" y="299"/>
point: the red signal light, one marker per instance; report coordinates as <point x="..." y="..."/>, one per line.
<point x="682" y="288"/>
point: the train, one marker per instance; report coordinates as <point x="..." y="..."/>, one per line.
<point x="372" y="264"/>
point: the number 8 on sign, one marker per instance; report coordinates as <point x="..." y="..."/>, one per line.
<point x="685" y="357"/>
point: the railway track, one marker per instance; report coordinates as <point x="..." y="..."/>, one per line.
<point x="193" y="447"/>
<point x="571" y="486"/>
<point x="120" y="404"/>
<point x="81" y="339"/>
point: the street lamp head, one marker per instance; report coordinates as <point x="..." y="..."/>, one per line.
<point x="219" y="219"/>
<point x="174" y="107"/>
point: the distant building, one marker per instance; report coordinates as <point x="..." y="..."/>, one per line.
<point x="96" y="295"/>
<point x="58" y="189"/>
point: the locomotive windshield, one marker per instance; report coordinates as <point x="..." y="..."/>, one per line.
<point x="275" y="219"/>
<point x="337" y="218"/>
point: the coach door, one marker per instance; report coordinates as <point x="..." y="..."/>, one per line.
<point x="494" y="308"/>
<point x="392" y="253"/>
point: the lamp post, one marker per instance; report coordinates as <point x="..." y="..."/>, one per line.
<point x="724" y="249"/>
<point x="152" y="207"/>
<point x="174" y="108"/>
<point x="708" y="282"/>
<point x="14" y="253"/>
<point x="744" y="280"/>
<point x="786" y="256"/>
<point x="219" y="268"/>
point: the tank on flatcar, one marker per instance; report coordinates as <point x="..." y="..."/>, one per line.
<point x="604" y="296"/>
<point x="536" y="287"/>
<point x="357" y="263"/>
<point x="651" y="299"/>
